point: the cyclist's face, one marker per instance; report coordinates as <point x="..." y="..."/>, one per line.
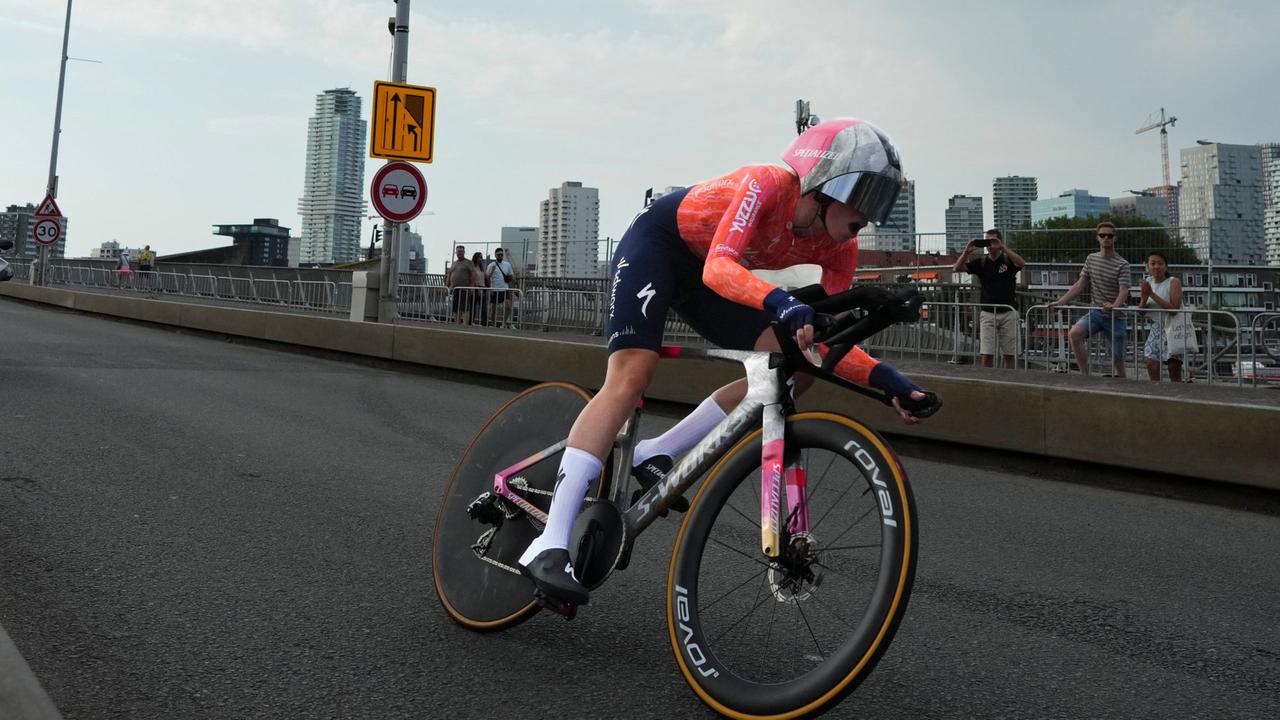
<point x="843" y="222"/>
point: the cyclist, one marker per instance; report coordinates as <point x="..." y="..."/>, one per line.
<point x="693" y="250"/>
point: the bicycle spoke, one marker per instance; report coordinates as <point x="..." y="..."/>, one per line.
<point x="833" y="613"/>
<point x="731" y="548"/>
<point x="744" y="515"/>
<point x="816" y="644"/>
<point x="709" y="605"/>
<point x="752" y="611"/>
<point x="855" y="524"/>
<point x="821" y="477"/>
<point x="814" y="527"/>
<point x="851" y="547"/>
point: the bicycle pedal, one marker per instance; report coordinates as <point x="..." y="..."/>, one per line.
<point x="556" y="606"/>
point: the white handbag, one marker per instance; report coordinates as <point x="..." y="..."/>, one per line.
<point x="1180" y="333"/>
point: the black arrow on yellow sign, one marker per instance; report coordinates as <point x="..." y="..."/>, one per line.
<point x="395" y="115"/>
<point x="413" y="130"/>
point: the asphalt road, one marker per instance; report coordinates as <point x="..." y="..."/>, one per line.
<point x="193" y="528"/>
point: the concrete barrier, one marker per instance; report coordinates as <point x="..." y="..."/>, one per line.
<point x="1218" y="433"/>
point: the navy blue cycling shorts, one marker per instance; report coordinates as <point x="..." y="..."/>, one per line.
<point x="653" y="271"/>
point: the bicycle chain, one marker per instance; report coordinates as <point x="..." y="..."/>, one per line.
<point x="481" y="548"/>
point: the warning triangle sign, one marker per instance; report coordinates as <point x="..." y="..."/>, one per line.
<point x="48" y="208"/>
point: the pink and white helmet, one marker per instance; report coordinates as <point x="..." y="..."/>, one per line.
<point x="849" y="161"/>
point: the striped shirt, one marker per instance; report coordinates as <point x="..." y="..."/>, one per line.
<point x="1105" y="275"/>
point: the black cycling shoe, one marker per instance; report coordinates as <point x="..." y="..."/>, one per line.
<point x="552" y="573"/>
<point x="653" y="471"/>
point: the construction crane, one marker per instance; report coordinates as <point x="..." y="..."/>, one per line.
<point x="1164" y="125"/>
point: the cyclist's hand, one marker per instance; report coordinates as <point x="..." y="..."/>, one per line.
<point x="792" y="314"/>
<point x="804" y="337"/>
<point x="906" y="415"/>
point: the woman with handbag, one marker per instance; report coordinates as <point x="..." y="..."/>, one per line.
<point x="1161" y="290"/>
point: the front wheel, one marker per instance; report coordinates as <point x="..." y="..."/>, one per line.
<point x="789" y="637"/>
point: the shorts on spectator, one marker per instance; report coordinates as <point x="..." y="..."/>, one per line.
<point x="1101" y="321"/>
<point x="998" y="333"/>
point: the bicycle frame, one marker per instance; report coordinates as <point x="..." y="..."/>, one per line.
<point x="768" y="399"/>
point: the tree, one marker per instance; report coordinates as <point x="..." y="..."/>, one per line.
<point x="1069" y="240"/>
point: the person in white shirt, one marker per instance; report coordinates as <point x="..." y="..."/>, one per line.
<point x="501" y="275"/>
<point x="1161" y="290"/>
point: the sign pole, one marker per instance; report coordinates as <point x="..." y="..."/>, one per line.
<point x="388" y="274"/>
<point x="39" y="278"/>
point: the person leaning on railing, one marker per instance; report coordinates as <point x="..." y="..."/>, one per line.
<point x="1107" y="275"/>
<point x="997" y="274"/>
<point x="1161" y="290"/>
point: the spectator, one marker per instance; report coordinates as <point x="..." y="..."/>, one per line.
<point x="1165" y="291"/>
<point x="146" y="259"/>
<point x="1107" y="275"/>
<point x="458" y="279"/>
<point x="479" y="298"/>
<point x="123" y="271"/>
<point x="997" y="275"/>
<point x="501" y="275"/>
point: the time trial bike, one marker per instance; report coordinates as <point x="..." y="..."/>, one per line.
<point x="791" y="569"/>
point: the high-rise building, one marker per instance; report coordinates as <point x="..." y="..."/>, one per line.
<point x="1221" y="190"/>
<point x="332" y="205"/>
<point x="1170" y="193"/>
<point x="964" y="221"/>
<point x="265" y="242"/>
<point x="569" y="235"/>
<point x="15" y="226"/>
<point x="521" y="245"/>
<point x="412" y="257"/>
<point x="1271" y="201"/>
<point x="1012" y="196"/>
<point x="1151" y="207"/>
<point x="1070" y="204"/>
<point x="898" y="233"/>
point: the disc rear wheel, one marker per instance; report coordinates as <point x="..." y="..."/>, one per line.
<point x="484" y="590"/>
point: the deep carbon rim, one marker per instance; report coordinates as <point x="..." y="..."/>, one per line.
<point x="725" y="602"/>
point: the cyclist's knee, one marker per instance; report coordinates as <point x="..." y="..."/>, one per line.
<point x="629" y="373"/>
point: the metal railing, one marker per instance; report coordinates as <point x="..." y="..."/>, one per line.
<point x="947" y="331"/>
<point x="1257" y="370"/>
<point x="1048" y="344"/>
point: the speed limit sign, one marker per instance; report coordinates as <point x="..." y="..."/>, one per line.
<point x="46" y="231"/>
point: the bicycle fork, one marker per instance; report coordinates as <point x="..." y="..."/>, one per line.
<point x="775" y="471"/>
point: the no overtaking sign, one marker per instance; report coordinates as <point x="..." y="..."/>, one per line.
<point x="398" y="192"/>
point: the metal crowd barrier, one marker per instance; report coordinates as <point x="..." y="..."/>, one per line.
<point x="1257" y="370"/>
<point x="1048" y="343"/>
<point x="947" y="331"/>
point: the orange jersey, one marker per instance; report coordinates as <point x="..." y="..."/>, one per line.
<point x="742" y="221"/>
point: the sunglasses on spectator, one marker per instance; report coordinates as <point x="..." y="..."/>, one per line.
<point x="1106" y="235"/>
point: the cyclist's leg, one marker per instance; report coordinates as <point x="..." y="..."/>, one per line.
<point x="648" y="268"/>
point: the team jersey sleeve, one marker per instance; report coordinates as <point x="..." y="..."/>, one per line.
<point x="723" y="272"/>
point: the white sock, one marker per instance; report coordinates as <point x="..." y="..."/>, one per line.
<point x="677" y="441"/>
<point x="577" y="469"/>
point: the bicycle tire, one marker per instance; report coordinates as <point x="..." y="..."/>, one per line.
<point x="747" y="679"/>
<point x="477" y="594"/>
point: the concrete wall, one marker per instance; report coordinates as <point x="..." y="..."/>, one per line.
<point x="1231" y="438"/>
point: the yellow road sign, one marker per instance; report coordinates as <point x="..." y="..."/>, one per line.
<point x="403" y="123"/>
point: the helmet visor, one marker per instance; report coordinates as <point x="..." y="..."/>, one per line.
<point x="872" y="194"/>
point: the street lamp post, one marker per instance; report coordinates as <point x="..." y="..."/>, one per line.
<point x="40" y="277"/>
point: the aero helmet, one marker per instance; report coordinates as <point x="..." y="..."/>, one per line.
<point x="849" y="161"/>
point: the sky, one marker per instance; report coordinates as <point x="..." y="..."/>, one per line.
<point x="196" y="113"/>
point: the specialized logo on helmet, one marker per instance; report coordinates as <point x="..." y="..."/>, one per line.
<point x="747" y="210"/>
<point x="815" y="153"/>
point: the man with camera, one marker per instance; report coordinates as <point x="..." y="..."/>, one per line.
<point x="997" y="276"/>
<point x="501" y="275"/>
